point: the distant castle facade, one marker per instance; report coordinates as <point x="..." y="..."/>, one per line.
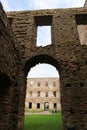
<point x="43" y="94"/>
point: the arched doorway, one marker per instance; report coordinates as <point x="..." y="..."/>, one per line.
<point x="46" y="106"/>
<point x="43" y="85"/>
<point x="41" y="59"/>
<point x="36" y="60"/>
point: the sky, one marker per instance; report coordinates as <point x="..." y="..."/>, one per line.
<point x="41" y="70"/>
<point x="10" y="5"/>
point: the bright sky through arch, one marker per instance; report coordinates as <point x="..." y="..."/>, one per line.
<point x="16" y="5"/>
<point x="43" y="70"/>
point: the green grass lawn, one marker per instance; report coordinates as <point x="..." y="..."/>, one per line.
<point x="43" y="122"/>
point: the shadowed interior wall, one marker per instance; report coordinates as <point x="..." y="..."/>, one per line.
<point x="9" y="62"/>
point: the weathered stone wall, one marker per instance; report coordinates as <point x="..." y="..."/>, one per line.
<point x="9" y="60"/>
<point x="85" y="5"/>
<point x="65" y="53"/>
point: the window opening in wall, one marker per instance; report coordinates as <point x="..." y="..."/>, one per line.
<point x="43" y="35"/>
<point x="81" y="20"/>
<point x="46" y="94"/>
<point x="55" y="105"/>
<point x="43" y="30"/>
<point x="38" y="105"/>
<point x="31" y="83"/>
<point x="54" y="93"/>
<point x="38" y="84"/>
<point x="30" y="105"/>
<point x="30" y="93"/>
<point x="54" y="84"/>
<point x="38" y="93"/>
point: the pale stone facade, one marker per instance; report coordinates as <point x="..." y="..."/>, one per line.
<point x="43" y="94"/>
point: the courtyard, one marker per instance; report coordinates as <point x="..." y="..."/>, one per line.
<point x="43" y="122"/>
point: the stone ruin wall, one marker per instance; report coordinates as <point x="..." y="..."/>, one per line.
<point x="9" y="61"/>
<point x="65" y="53"/>
<point x="85" y="5"/>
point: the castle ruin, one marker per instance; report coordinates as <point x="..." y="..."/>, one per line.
<point x="43" y="94"/>
<point x="19" y="53"/>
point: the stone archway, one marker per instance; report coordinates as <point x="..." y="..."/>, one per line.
<point x="43" y="58"/>
<point x="66" y="68"/>
<point x="46" y="106"/>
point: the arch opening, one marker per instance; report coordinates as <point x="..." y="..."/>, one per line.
<point x="42" y="94"/>
<point x="43" y="70"/>
<point x="41" y="59"/>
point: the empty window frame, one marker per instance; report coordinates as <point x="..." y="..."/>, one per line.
<point x="38" y="93"/>
<point x="54" y="84"/>
<point x="38" y="105"/>
<point x="46" y="84"/>
<point x="81" y="21"/>
<point x="38" y="84"/>
<point x="43" y="30"/>
<point x="30" y="105"/>
<point x="55" y="105"/>
<point x="43" y="35"/>
<point x="46" y="94"/>
<point x="54" y="93"/>
<point x="31" y="83"/>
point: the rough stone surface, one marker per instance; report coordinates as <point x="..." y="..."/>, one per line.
<point x="9" y="62"/>
<point x="19" y="53"/>
<point x="85" y="5"/>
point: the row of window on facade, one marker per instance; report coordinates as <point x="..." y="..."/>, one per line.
<point x="39" y="84"/>
<point x="38" y="105"/>
<point x="46" y="94"/>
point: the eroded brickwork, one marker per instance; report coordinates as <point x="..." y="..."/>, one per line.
<point x="19" y="53"/>
<point x="9" y="64"/>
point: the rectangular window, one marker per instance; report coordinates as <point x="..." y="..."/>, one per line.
<point x="31" y="83"/>
<point x="55" y="105"/>
<point x="43" y="30"/>
<point x="43" y="35"/>
<point x="30" y="105"/>
<point x="38" y="84"/>
<point x="54" y="84"/>
<point x="81" y="21"/>
<point x="46" y="94"/>
<point x="38" y="93"/>
<point x="54" y="93"/>
<point x="38" y="105"/>
<point x="46" y="84"/>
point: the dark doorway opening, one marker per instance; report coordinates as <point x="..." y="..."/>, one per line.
<point x="5" y="101"/>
